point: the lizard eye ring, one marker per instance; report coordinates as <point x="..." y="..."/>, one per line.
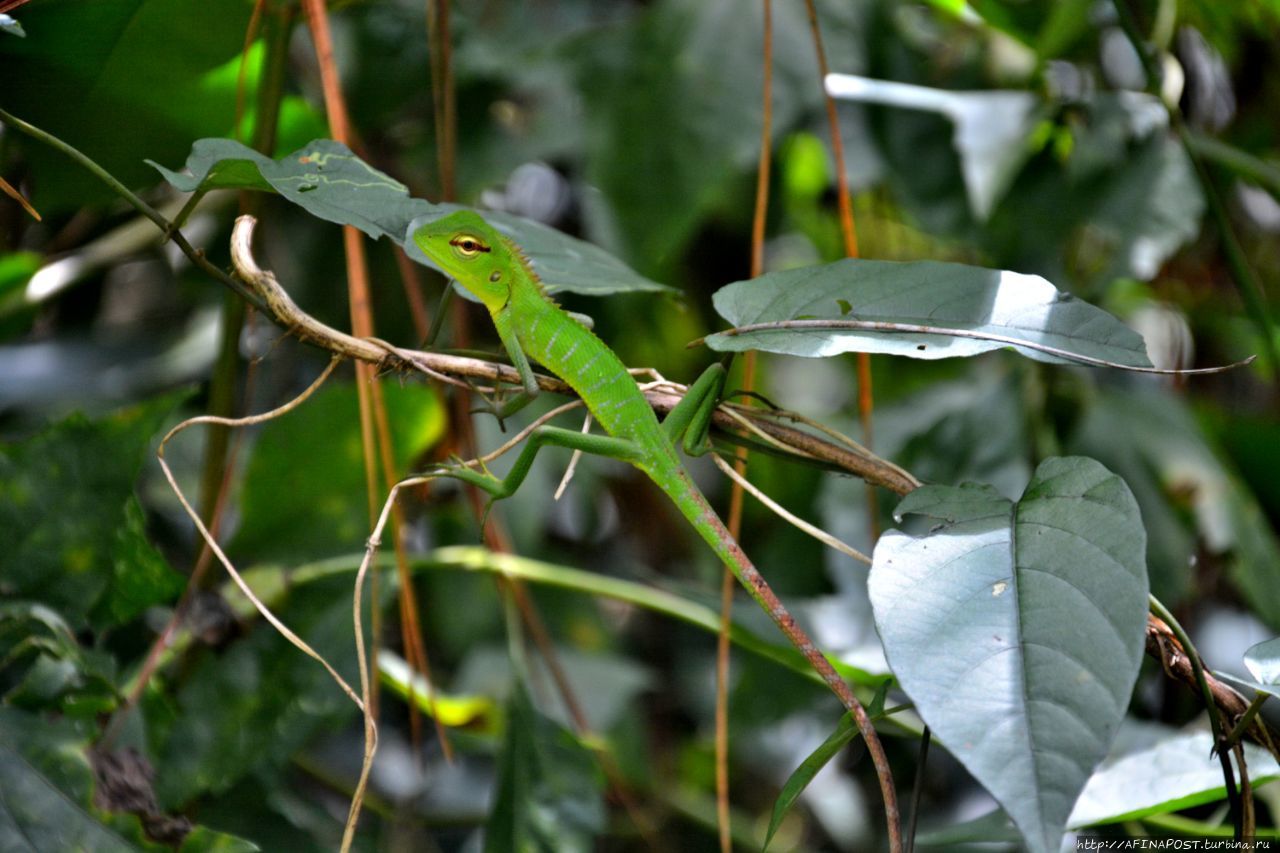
<point x="467" y="246"/>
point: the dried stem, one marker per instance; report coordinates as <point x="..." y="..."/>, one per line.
<point x="212" y="543"/>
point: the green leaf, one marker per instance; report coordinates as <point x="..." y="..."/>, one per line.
<point x="549" y="788"/>
<point x="846" y="731"/>
<point x="675" y="113"/>
<point x="304" y="488"/>
<point x="942" y="302"/>
<point x="47" y="668"/>
<point x="1263" y="662"/>
<point x="328" y="181"/>
<point x="1147" y="211"/>
<point x="1017" y="629"/>
<point x="324" y="177"/>
<point x="991" y="128"/>
<point x="72" y="527"/>
<point x="1176" y="773"/>
<point x="205" y="840"/>
<point x="253" y="704"/>
<point x="11" y="26"/>
<point x="45" y="784"/>
<point x="117" y="77"/>
<point x="682" y="608"/>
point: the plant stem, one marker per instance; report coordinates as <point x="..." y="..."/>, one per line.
<point x="195" y="255"/>
<point x="1246" y="719"/>
<point x="917" y="789"/>
<point x="1215" y="720"/>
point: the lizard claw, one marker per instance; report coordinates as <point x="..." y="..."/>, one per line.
<point x="487" y="407"/>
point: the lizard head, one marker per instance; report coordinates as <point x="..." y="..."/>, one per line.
<point x="473" y="253"/>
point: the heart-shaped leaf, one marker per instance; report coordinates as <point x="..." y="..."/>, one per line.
<point x="1017" y="629"/>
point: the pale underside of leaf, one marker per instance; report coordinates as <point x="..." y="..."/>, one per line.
<point x="1175" y="773"/>
<point x="1017" y="630"/>
<point x="942" y="310"/>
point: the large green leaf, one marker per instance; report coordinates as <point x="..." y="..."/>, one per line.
<point x="549" y="788"/>
<point x="303" y="492"/>
<point x="1175" y="773"/>
<point x="1017" y="629"/>
<point x="119" y="77"/>
<point x="675" y="113"/>
<point x="45" y="784"/>
<point x="327" y="180"/>
<point x="254" y="703"/>
<point x="991" y="128"/>
<point x="936" y="310"/>
<point x="72" y="527"/>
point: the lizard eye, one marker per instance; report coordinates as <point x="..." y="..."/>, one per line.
<point x="467" y="246"/>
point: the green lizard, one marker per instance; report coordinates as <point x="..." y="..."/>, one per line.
<point x="531" y="325"/>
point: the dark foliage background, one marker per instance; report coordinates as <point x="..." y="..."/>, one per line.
<point x="636" y="126"/>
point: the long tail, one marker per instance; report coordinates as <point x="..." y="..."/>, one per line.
<point x="695" y="507"/>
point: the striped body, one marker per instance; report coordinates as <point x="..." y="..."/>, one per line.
<point x="532" y="326"/>
<point x="557" y="341"/>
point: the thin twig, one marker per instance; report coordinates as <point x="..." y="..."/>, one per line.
<point x="866" y="403"/>
<point x="743" y="421"/>
<point x="9" y="190"/>
<point x="917" y="789"/>
<point x="573" y="462"/>
<point x="217" y="549"/>
<point x="360" y="308"/>
<point x="727" y="581"/>
<point x="1211" y="708"/>
<point x="818" y="533"/>
<point x="194" y="255"/>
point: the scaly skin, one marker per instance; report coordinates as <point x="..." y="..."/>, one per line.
<point x="531" y="324"/>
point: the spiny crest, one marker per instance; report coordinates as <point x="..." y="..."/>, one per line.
<point x="518" y="255"/>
